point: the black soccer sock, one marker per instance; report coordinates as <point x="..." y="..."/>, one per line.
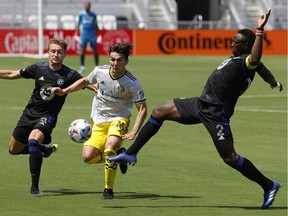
<point x="35" y="163"/>
<point x="149" y="129"/>
<point x="96" y="57"/>
<point x="82" y="59"/>
<point x="246" y="168"/>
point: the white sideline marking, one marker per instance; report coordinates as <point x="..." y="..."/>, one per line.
<point x="263" y="96"/>
<point x="238" y="108"/>
<point x="259" y="110"/>
<point x="250" y="109"/>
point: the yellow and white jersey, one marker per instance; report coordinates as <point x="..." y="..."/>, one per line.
<point x="115" y="97"/>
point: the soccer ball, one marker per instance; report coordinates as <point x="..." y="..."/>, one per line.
<point x="80" y="130"/>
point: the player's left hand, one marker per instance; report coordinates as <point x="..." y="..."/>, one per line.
<point x="129" y="136"/>
<point x="263" y="20"/>
<point x="279" y="85"/>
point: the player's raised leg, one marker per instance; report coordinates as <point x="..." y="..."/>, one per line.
<point x="149" y="129"/>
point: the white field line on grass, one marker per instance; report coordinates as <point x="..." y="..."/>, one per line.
<point x="259" y="109"/>
<point x="264" y="96"/>
<point x="275" y="109"/>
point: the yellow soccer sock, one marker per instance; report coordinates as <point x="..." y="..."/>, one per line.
<point x="110" y="169"/>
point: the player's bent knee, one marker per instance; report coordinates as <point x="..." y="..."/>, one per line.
<point x="93" y="160"/>
<point x="157" y="113"/>
<point x="230" y="161"/>
<point x="13" y="152"/>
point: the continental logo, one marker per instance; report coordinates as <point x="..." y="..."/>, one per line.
<point x="170" y="42"/>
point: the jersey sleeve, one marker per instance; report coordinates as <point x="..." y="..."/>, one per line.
<point x="77" y="76"/>
<point x="252" y="67"/>
<point x="138" y="93"/>
<point x="28" y="72"/>
<point x="80" y="18"/>
<point x="92" y="77"/>
<point x="248" y="65"/>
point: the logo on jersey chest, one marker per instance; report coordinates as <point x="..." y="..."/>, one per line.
<point x="60" y="82"/>
<point x="121" y="88"/>
<point x="45" y="92"/>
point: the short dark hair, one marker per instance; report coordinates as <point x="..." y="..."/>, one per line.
<point x="249" y="35"/>
<point x="58" y="42"/>
<point x="121" y="48"/>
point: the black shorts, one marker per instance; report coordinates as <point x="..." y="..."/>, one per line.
<point x="28" y="123"/>
<point x="194" y="111"/>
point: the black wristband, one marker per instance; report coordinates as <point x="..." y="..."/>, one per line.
<point x="261" y="29"/>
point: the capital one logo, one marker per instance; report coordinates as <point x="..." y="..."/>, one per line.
<point x="111" y="37"/>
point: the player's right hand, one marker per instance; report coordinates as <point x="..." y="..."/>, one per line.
<point x="58" y="91"/>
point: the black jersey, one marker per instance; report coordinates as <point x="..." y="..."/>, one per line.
<point x="42" y="102"/>
<point x="228" y="81"/>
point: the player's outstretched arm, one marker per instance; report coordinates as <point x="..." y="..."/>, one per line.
<point x="79" y="84"/>
<point x="268" y="77"/>
<point x="256" y="52"/>
<point x="10" y="74"/>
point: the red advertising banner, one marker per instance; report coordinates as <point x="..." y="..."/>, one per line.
<point x="15" y="41"/>
<point x="201" y="42"/>
<point x="145" y="42"/>
<point x="18" y="41"/>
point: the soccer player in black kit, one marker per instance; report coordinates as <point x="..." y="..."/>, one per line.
<point x="216" y="105"/>
<point x="32" y="134"/>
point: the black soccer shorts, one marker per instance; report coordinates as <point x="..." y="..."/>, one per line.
<point x="28" y="123"/>
<point x="194" y="111"/>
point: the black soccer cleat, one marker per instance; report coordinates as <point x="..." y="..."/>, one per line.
<point x="108" y="194"/>
<point x="49" y="149"/>
<point x="269" y="195"/>
<point x="123" y="166"/>
<point x="35" y="192"/>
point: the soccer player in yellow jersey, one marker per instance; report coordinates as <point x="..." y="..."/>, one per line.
<point x="118" y="90"/>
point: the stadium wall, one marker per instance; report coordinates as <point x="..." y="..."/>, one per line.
<point x="146" y="42"/>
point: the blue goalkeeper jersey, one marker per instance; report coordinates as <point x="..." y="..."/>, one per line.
<point x="87" y="22"/>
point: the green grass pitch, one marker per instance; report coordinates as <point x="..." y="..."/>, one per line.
<point x="178" y="172"/>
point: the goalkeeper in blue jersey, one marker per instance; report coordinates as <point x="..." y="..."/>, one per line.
<point x="87" y="27"/>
